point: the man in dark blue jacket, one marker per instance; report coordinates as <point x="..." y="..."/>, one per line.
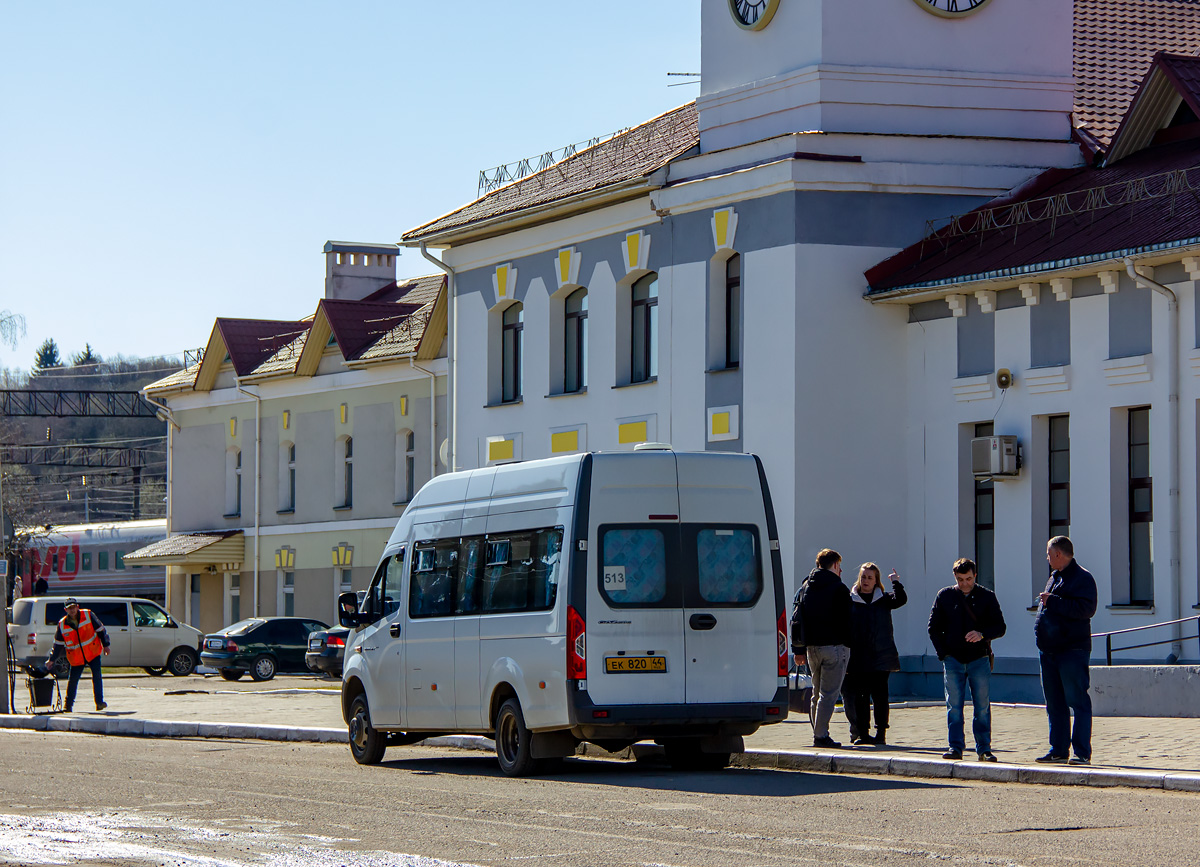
<point x="1063" y="630"/>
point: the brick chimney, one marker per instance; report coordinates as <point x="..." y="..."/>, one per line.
<point x="354" y="271"/>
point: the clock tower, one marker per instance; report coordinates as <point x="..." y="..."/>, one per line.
<point x="983" y="69"/>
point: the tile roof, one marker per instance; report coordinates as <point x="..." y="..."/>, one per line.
<point x="1114" y="43"/>
<point x="1063" y="217"/>
<point x="357" y="325"/>
<point x="250" y="342"/>
<point x="630" y="156"/>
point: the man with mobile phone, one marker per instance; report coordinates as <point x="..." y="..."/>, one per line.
<point x="1063" y="630"/>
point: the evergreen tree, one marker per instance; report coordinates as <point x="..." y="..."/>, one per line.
<point x="81" y="359"/>
<point x="47" y="356"/>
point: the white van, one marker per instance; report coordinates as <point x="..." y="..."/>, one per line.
<point x="606" y="597"/>
<point x="141" y="634"/>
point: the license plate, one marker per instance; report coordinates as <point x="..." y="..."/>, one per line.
<point x="214" y="644"/>
<point x="315" y="643"/>
<point x="634" y="664"/>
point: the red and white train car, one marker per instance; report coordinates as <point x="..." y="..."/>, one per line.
<point x="79" y="559"/>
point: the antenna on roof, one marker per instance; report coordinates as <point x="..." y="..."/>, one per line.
<point x="695" y="75"/>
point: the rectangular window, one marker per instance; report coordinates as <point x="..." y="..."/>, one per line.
<point x="291" y="470"/>
<point x="410" y="465"/>
<point x="70" y="568"/>
<point x="235" y="598"/>
<point x="728" y="566"/>
<point x="1060" y="476"/>
<point x="1049" y="330"/>
<point x="147" y="615"/>
<point x="976" y="341"/>
<point x="521" y="572"/>
<point x="733" y="311"/>
<point x="289" y="594"/>
<point x="431" y="590"/>
<point x="633" y="566"/>
<point x="985" y="522"/>
<point x="86" y="556"/>
<point x="346" y="584"/>
<point x="102" y="558"/>
<point x="466" y="594"/>
<point x="120" y="558"/>
<point x="1141" y="509"/>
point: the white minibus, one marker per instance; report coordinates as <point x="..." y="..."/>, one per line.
<point x="603" y="597"/>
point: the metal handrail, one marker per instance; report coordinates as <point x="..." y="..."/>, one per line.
<point x="1107" y="636"/>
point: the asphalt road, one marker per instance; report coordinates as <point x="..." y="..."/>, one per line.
<point x="85" y="799"/>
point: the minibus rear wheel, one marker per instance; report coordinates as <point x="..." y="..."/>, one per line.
<point x="513" y="741"/>
<point x="684" y="754"/>
<point x="366" y="744"/>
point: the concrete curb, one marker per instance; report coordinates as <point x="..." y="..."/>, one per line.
<point x="812" y="761"/>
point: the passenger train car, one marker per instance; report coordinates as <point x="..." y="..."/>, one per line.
<point x="79" y="559"/>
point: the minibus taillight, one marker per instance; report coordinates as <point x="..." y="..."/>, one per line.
<point x="783" y="644"/>
<point x="576" y="645"/>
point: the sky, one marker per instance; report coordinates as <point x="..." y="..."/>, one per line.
<point x="163" y="164"/>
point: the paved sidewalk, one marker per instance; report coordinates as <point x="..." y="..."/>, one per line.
<point x="1138" y="751"/>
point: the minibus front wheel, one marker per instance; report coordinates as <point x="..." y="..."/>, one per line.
<point x="366" y="744"/>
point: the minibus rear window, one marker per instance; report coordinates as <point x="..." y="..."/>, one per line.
<point x="633" y="566"/>
<point x="22" y="612"/>
<point x="727" y="566"/>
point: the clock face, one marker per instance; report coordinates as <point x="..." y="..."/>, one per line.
<point x="753" y="14"/>
<point x="951" y="8"/>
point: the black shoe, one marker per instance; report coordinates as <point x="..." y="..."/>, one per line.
<point x="862" y="741"/>
<point x="1076" y="760"/>
<point x="879" y="740"/>
<point x="1051" y="758"/>
<point x="101" y="705"/>
<point x="827" y="742"/>
<point x="952" y="754"/>
<point x="987" y="756"/>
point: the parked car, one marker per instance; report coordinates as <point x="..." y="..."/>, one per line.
<point x="140" y="633"/>
<point x="326" y="649"/>
<point x="260" y="645"/>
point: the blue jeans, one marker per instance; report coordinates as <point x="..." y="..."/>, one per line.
<point x="97" y="683"/>
<point x="1065" y="681"/>
<point x="979" y="675"/>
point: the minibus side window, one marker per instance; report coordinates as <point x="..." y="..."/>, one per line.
<point x="470" y="561"/>
<point x="432" y="586"/>
<point x="522" y="572"/>
<point x="633" y="564"/>
<point x="728" y="566"/>
<point x="372" y="603"/>
<point x="145" y="614"/>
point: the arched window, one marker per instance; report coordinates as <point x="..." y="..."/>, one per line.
<point x="287" y="477"/>
<point x="406" y="465"/>
<point x="348" y="458"/>
<point x="512" y="338"/>
<point x="233" y="483"/>
<point x="575" y="341"/>
<point x="643" y="330"/>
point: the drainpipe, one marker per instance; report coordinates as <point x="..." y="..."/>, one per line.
<point x="1173" y="516"/>
<point x="432" y="415"/>
<point x="452" y="368"/>
<point x="163" y="413"/>
<point x="257" y="479"/>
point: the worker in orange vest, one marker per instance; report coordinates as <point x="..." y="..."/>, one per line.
<point x="83" y="638"/>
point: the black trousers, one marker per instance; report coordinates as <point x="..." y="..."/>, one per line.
<point x="860" y="690"/>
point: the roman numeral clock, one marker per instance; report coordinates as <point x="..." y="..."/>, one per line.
<point x="951" y="8"/>
<point x="753" y="14"/>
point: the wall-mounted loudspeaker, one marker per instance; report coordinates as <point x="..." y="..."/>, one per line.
<point x="1004" y="378"/>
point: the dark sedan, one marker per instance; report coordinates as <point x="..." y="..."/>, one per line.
<point x="260" y="645"/>
<point x="326" y="650"/>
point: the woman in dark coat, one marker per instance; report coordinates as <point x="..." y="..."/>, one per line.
<point x="873" y="654"/>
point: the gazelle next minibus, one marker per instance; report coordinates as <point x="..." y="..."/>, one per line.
<point x="604" y="597"/>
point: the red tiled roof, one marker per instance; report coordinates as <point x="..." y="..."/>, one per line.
<point x="632" y="155"/>
<point x="1114" y="43"/>
<point x="250" y="342"/>
<point x="357" y="325"/>
<point x="1063" y="216"/>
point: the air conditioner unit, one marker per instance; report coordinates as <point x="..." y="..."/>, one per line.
<point x="995" y="456"/>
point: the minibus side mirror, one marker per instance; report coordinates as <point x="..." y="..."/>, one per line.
<point x="348" y="615"/>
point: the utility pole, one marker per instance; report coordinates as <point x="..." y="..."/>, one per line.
<point x="4" y="579"/>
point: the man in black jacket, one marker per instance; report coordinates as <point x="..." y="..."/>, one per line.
<point x="821" y="636"/>
<point x="963" y="623"/>
<point x="1063" y="630"/>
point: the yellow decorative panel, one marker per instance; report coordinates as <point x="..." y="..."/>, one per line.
<point x="565" y="441"/>
<point x="342" y="413"/>
<point x="502" y="280"/>
<point x="720" y="423"/>
<point x="632" y="242"/>
<point x="564" y="266"/>
<point x="287" y="419"/>
<point x="724" y="228"/>
<point x="500" y="450"/>
<point x="722" y="218"/>
<point x="632" y="432"/>
<point x="233" y="427"/>
<point x="403" y="405"/>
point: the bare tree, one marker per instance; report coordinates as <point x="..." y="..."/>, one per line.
<point x="12" y="327"/>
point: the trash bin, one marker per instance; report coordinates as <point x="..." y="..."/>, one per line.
<point x="41" y="691"/>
